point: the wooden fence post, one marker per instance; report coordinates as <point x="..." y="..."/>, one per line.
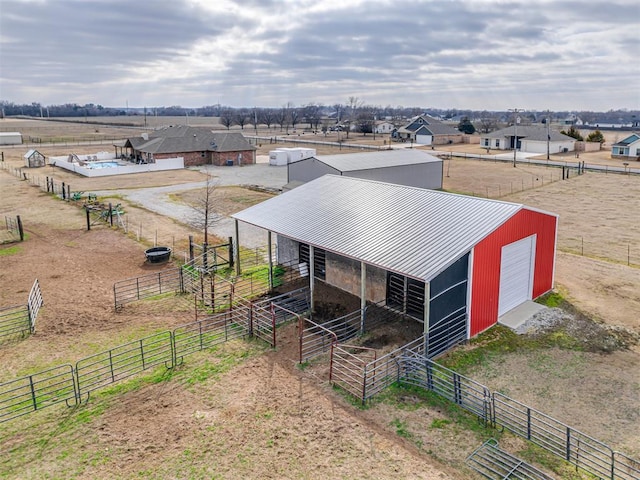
<point x="20" y="229"/>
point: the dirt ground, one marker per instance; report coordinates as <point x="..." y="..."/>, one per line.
<point x="265" y="418"/>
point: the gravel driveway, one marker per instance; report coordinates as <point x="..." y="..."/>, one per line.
<point x="156" y="199"/>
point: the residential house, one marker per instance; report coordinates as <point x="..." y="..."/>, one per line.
<point x="531" y="138"/>
<point x="197" y="145"/>
<point x="425" y="130"/>
<point x="628" y="148"/>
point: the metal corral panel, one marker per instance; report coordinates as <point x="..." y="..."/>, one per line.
<point x="486" y="263"/>
<point x="407" y="230"/>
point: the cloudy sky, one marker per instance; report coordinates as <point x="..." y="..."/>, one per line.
<point x="478" y="54"/>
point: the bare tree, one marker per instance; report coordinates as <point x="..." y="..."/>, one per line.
<point x="203" y="216"/>
<point x="312" y="115"/>
<point x="354" y="105"/>
<point x="294" y="115"/>
<point x="242" y="117"/>
<point x="282" y="117"/>
<point x="488" y="122"/>
<point x="253" y="119"/>
<point x="267" y="116"/>
<point x="226" y="117"/>
<point x="365" y="120"/>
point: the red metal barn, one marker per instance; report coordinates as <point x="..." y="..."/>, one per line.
<point x="513" y="264"/>
<point x="452" y="262"/>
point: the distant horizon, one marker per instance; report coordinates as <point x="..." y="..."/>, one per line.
<point x="150" y="109"/>
<point x="454" y="54"/>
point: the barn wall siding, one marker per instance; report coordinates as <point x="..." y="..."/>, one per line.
<point x="308" y="169"/>
<point x="344" y="273"/>
<point x="486" y="263"/>
<point x="423" y="175"/>
<point x="287" y="250"/>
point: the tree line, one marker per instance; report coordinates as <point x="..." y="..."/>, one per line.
<point x="352" y="115"/>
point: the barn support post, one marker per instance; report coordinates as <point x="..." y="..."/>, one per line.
<point x="236" y="250"/>
<point x="312" y="274"/>
<point x="269" y="248"/>
<point x="427" y="295"/>
<point x="363" y="294"/>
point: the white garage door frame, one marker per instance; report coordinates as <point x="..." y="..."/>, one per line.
<point x="517" y="263"/>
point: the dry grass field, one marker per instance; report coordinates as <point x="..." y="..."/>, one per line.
<point x="243" y="411"/>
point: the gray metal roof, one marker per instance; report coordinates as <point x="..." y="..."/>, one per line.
<point x="530" y="132"/>
<point x="411" y="231"/>
<point x="183" y="138"/>
<point x="376" y="159"/>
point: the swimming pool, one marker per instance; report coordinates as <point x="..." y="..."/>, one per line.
<point x="95" y="165"/>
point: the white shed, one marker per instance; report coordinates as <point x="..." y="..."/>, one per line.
<point x="283" y="156"/>
<point x="10" y="138"/>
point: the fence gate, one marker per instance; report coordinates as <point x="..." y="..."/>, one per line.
<point x="264" y="322"/>
<point x="34" y="303"/>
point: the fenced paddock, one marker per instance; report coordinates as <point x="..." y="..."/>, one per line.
<point x="410" y="365"/>
<point x="74" y="384"/>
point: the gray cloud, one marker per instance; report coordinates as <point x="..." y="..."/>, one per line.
<point x="453" y="53"/>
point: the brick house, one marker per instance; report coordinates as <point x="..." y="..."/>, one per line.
<point x="197" y="145"/>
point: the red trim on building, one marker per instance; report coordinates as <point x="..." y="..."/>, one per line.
<point x="486" y="263"/>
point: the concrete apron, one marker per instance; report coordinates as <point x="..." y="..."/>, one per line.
<point x="519" y="315"/>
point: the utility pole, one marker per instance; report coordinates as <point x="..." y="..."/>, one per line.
<point x="548" y="133"/>
<point x="515" y="135"/>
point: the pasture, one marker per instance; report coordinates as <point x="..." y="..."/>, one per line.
<point x="243" y="410"/>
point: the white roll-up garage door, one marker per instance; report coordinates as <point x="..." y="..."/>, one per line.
<point x="516" y="273"/>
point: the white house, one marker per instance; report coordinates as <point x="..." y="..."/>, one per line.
<point x="627" y="148"/>
<point x="531" y="138"/>
<point x="384" y="127"/>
